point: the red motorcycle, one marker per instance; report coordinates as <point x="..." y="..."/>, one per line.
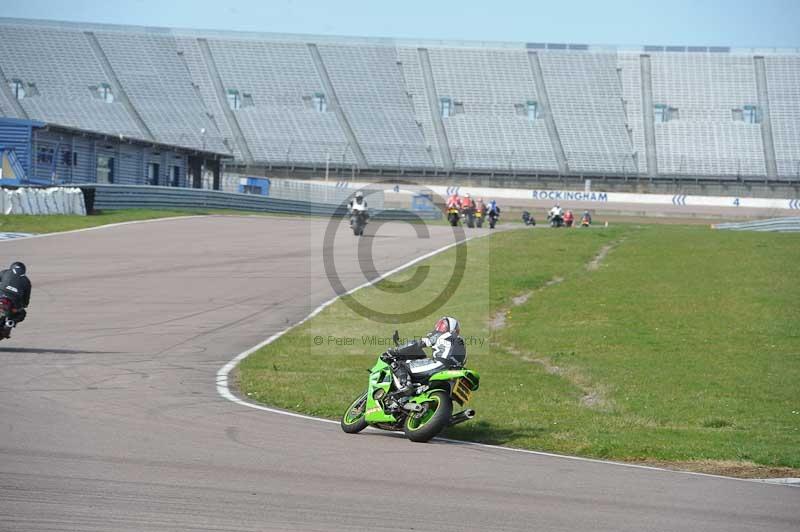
<point x="7" y="323"/>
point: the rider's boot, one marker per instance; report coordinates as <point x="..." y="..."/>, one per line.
<point x="404" y="377"/>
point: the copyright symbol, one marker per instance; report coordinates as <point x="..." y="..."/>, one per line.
<point x="428" y="304"/>
<point x="318" y="340"/>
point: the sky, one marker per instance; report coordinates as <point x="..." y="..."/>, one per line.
<point x="737" y="23"/>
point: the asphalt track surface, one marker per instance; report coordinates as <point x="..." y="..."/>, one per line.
<point x="111" y="421"/>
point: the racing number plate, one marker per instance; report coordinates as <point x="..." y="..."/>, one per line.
<point x="462" y="392"/>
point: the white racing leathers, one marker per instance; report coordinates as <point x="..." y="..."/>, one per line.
<point x="449" y="351"/>
<point x="355" y="206"/>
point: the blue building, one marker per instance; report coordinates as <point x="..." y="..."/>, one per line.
<point x="35" y="152"/>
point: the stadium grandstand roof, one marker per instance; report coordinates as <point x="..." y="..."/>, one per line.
<point x="390" y="41"/>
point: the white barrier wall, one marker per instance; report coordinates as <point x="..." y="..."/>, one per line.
<point x="57" y="200"/>
<point x="680" y="200"/>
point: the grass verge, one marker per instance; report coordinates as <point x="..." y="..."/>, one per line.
<point x="670" y="345"/>
<point x="56" y="223"/>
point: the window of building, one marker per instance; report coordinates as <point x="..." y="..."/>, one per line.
<point x="445" y="107"/>
<point x="102" y="92"/>
<point x="247" y="100"/>
<point x="751" y="114"/>
<point x="234" y="101"/>
<point x="44" y="155"/>
<point x="175" y="176"/>
<point x="152" y="173"/>
<point x="532" y="109"/>
<point x="458" y="108"/>
<point x="69" y="158"/>
<point x="319" y="102"/>
<point x="665" y="113"/>
<point x="17" y="88"/>
<point x="660" y="112"/>
<point x="105" y="169"/>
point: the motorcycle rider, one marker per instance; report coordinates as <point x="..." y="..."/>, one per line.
<point x="493" y="209"/>
<point x="556" y="211"/>
<point x="467" y="203"/>
<point x="409" y="362"/>
<point x="587" y="218"/>
<point x="358" y="205"/>
<point x="569" y="218"/>
<point x="480" y="207"/>
<point x="454" y="202"/>
<point x="15" y="285"/>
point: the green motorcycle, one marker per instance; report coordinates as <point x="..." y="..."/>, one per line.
<point x="420" y="416"/>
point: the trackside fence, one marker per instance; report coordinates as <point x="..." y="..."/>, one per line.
<point x="781" y="225"/>
<point x="115" y="197"/>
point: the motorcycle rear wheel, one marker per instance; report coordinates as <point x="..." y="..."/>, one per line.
<point x="433" y="421"/>
<point x="353" y="420"/>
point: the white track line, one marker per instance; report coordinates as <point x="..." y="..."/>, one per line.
<point x="224" y="390"/>
<point x="107" y="226"/>
<point x="222" y="374"/>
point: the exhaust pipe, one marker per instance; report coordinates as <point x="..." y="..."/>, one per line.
<point x="461" y="417"/>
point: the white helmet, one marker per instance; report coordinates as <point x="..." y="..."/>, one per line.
<point x="447" y="324"/>
<point x="449" y="346"/>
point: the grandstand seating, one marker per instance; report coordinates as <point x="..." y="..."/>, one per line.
<point x="783" y="81"/>
<point x="631" y="77"/>
<point x="369" y="86"/>
<point x="62" y="66"/>
<point x="415" y="89"/>
<point x="159" y="87"/>
<point x="189" y="48"/>
<point x="706" y="88"/>
<point x="176" y="85"/>
<point x="491" y="132"/>
<point x="587" y="106"/>
<point x="280" y="126"/>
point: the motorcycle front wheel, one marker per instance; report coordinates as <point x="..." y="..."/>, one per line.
<point x="433" y="421"/>
<point x="353" y="420"/>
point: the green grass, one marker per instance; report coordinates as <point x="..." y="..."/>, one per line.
<point x="38" y="224"/>
<point x="684" y="345"/>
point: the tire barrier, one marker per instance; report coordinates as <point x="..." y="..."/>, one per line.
<point x="56" y="200"/>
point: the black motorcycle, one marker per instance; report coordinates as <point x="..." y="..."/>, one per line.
<point x="469" y="217"/>
<point x="556" y="220"/>
<point x="358" y="221"/>
<point x="493" y="217"/>
<point x="527" y="218"/>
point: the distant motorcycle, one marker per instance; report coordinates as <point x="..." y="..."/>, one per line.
<point x="469" y="216"/>
<point x="479" y="216"/>
<point x="556" y="220"/>
<point x="358" y="221"/>
<point x="493" y="217"/>
<point x="453" y="216"/>
<point x="527" y="218"/>
<point x="586" y="221"/>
